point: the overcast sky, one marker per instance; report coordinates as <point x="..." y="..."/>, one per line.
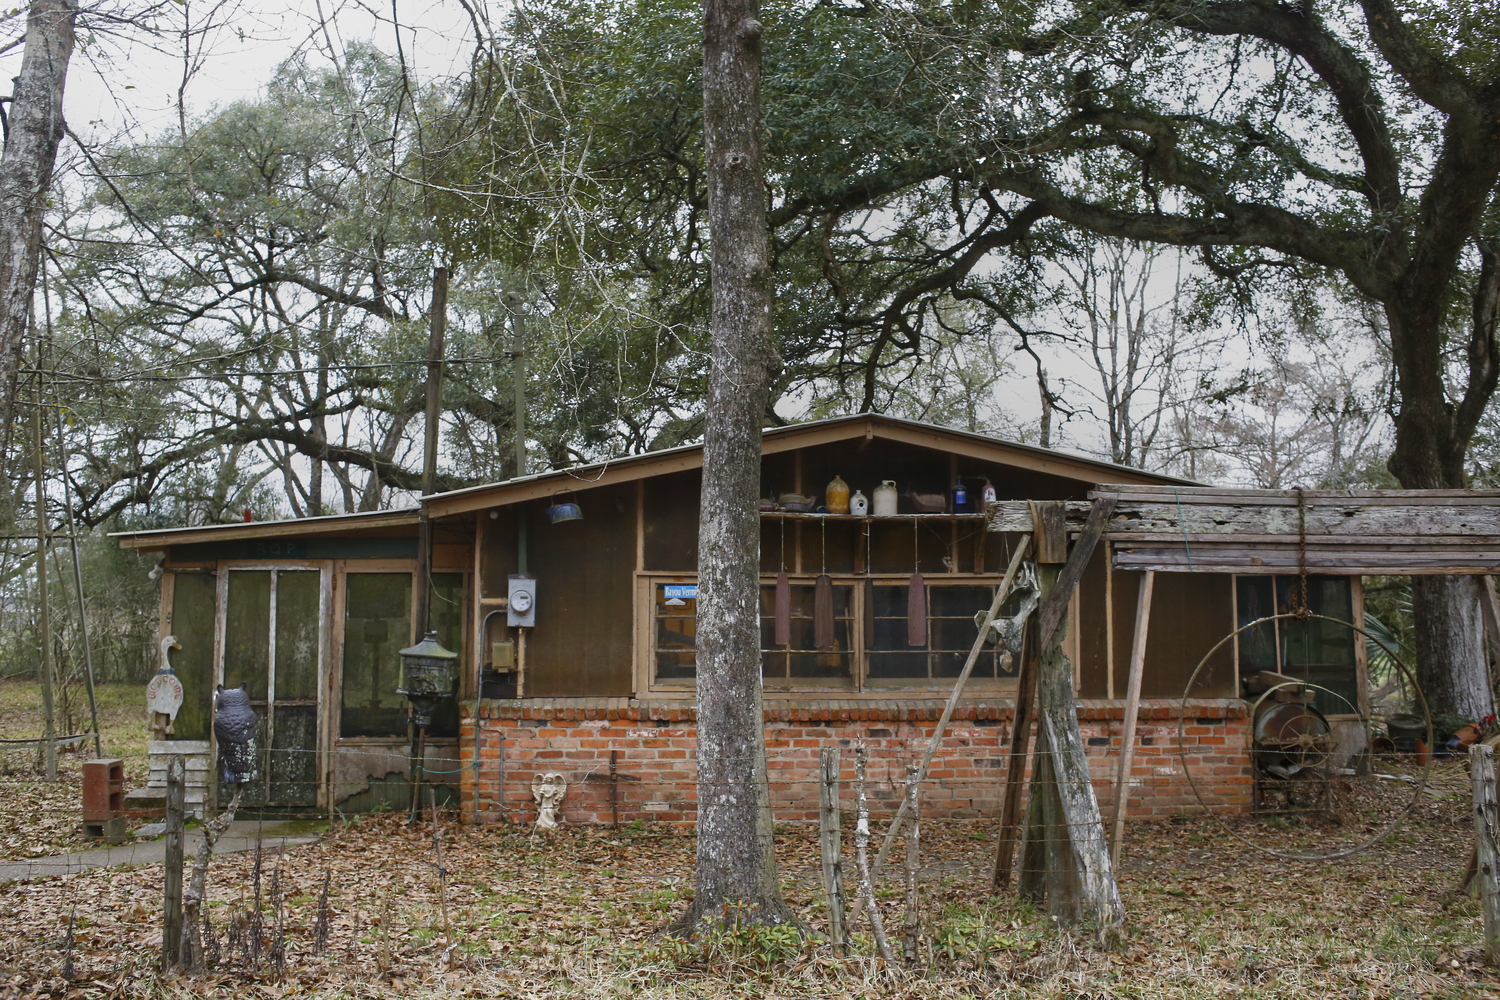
<point x="127" y="81"/>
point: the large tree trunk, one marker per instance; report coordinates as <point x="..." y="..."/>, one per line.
<point x="1431" y="445"/>
<point x="736" y="869"/>
<point x="1450" y="654"/>
<point x="35" y="129"/>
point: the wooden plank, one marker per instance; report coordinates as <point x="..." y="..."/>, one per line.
<point x="1109" y="622"/>
<point x="1252" y="561"/>
<point x="1190" y="494"/>
<point x="1132" y="709"/>
<point x="1487" y="842"/>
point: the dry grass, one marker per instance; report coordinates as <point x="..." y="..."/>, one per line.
<point x="575" y="915"/>
<point x="40" y="817"/>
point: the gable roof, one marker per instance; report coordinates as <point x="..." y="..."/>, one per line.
<point x="656" y="463"/>
<point x="789" y="438"/>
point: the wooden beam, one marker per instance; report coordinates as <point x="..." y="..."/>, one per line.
<point x="1066" y="857"/>
<point x="1132" y="710"/>
<point x="1233" y="519"/>
<point x="1055" y="610"/>
<point x="1050" y="529"/>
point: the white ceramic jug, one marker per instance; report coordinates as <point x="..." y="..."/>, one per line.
<point x="885" y="498"/>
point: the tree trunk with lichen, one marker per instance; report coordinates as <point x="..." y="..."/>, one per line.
<point x="1432" y="442"/>
<point x="35" y="129"/>
<point x="736" y="863"/>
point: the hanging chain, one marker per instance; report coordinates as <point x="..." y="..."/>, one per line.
<point x="1303" y="611"/>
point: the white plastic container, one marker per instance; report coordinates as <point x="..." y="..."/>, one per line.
<point x="885" y="499"/>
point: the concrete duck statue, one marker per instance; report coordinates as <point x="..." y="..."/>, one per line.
<point x="235" y="723"/>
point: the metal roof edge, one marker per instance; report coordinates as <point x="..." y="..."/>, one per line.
<point x="152" y="537"/>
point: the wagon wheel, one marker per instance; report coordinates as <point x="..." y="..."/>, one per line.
<point x="1314" y="751"/>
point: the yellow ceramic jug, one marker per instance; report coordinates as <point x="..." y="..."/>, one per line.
<point x="836" y="496"/>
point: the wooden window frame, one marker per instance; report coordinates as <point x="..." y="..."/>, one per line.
<point x="644" y="671"/>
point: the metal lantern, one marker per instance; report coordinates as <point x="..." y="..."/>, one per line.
<point x="428" y="674"/>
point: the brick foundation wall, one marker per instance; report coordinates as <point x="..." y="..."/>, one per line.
<point x="654" y="744"/>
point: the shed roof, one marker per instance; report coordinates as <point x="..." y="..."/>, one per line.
<point x="662" y="462"/>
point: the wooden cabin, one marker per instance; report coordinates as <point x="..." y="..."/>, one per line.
<point x="310" y="614"/>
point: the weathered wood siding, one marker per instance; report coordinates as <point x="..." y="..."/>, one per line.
<point x="1190" y="612"/>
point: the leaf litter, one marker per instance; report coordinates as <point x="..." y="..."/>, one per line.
<point x="578" y="913"/>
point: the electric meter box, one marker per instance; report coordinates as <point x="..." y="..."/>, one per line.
<point x="520" y="609"/>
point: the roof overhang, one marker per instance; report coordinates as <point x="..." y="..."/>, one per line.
<point x="160" y="539"/>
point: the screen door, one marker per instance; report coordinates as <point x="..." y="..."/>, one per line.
<point x="272" y="645"/>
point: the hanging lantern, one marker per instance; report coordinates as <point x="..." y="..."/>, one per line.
<point x="428" y="675"/>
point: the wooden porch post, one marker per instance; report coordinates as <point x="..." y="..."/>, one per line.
<point x="1132" y="709"/>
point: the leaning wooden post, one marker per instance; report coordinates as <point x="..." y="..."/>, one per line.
<point x="1068" y="854"/>
<point x="1001" y="593"/>
<point x="831" y="843"/>
<point x="862" y="857"/>
<point x="913" y="926"/>
<point x="1132" y="709"/>
<point x="1487" y="840"/>
<point x="1015" y="768"/>
<point x="171" y="924"/>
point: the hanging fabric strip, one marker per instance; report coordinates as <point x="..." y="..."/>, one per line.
<point x="783" y="636"/>
<point x="869" y="613"/>
<point x="916" y="596"/>
<point x="823" y="612"/>
<point x="916" y="611"/>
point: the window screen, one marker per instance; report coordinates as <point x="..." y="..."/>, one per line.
<point x="377" y="624"/>
<point x="1318" y="651"/>
<point x="950" y="635"/>
<point x="801" y="662"/>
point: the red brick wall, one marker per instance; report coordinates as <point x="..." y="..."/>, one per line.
<point x="655" y="743"/>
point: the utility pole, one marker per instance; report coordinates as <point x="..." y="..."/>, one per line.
<point x="438" y="317"/>
<point x="44" y="617"/>
<point x="517" y="355"/>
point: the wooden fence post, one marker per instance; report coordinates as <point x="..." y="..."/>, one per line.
<point x="1486" y="832"/>
<point x="171" y="925"/>
<point x="913" y="928"/>
<point x="862" y="856"/>
<point x="831" y="842"/>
